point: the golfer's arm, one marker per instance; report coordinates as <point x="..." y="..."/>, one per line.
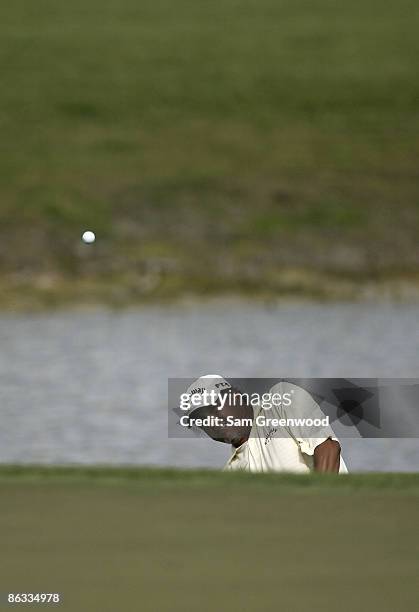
<point x="327" y="456"/>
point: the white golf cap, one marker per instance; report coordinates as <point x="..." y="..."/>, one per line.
<point x="204" y="391"/>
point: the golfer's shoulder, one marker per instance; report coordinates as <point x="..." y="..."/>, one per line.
<point x="285" y="386"/>
<point x="292" y="398"/>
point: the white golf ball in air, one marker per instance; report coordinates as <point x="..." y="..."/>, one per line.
<point x="88" y="237"/>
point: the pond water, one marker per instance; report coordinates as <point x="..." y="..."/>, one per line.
<point x="91" y="386"/>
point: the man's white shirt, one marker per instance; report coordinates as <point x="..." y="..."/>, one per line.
<point x="283" y="448"/>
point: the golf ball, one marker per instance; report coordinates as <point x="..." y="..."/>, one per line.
<point x="88" y="237"/>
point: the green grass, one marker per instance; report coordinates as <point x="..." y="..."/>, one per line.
<point x="256" y="139"/>
<point x="142" y="477"/>
<point x="140" y="539"/>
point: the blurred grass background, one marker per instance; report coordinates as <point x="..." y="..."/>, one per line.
<point x="261" y="147"/>
<point x="132" y="539"/>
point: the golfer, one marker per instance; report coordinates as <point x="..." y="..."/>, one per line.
<point x="289" y="433"/>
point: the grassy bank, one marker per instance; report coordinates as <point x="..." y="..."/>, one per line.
<point x="173" y="540"/>
<point x="263" y="147"/>
<point x="191" y="478"/>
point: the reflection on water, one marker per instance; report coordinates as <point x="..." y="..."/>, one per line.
<point x="91" y="387"/>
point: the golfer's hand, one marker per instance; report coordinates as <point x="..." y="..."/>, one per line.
<point x="327" y="456"/>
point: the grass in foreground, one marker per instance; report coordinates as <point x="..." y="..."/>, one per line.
<point x="274" y="143"/>
<point x="130" y="539"/>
